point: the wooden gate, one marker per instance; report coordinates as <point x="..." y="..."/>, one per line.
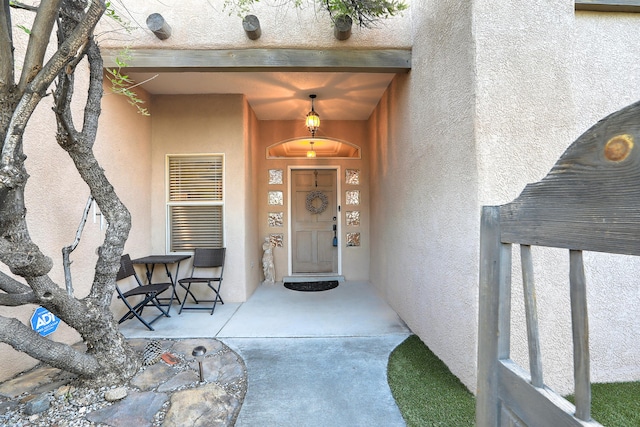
<point x="590" y="201"/>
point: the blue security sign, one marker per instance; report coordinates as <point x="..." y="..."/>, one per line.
<point x="44" y="322"/>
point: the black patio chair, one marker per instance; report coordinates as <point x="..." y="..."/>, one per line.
<point x="205" y="259"/>
<point x="147" y="293"/>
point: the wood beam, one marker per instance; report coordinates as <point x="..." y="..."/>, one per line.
<point x="609" y="5"/>
<point x="161" y="60"/>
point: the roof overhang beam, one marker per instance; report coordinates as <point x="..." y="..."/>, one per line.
<point x="252" y="60"/>
<point x="609" y="5"/>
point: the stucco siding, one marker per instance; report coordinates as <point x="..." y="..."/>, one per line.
<point x="525" y="117"/>
<point x="207" y="25"/>
<point x="544" y="75"/>
<point x="253" y="249"/>
<point x="607" y="78"/>
<point x="424" y="188"/>
<point x="209" y="124"/>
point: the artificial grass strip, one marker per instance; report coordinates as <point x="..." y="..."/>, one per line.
<point x="426" y="391"/>
<point x="615" y="404"/>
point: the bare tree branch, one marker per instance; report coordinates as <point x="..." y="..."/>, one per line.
<point x="15" y="300"/>
<point x="93" y="108"/>
<point x="6" y="47"/>
<point x="25" y="258"/>
<point x="79" y="145"/>
<point x="11" y="286"/>
<point x="66" y="251"/>
<point x="36" y="88"/>
<point x="39" y="40"/>
<point x="19" y="336"/>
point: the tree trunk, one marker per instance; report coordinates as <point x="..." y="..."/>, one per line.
<point x="108" y="359"/>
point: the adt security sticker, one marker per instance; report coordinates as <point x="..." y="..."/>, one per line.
<point x="44" y="322"/>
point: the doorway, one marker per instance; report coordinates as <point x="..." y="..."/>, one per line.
<point x="314" y="221"/>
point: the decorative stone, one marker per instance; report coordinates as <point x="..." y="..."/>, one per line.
<point x="115" y="394"/>
<point x="27" y="382"/>
<point x="9" y="405"/>
<point x="205" y="406"/>
<point x="185" y="378"/>
<point x="169" y="359"/>
<point x="137" y="409"/>
<point x="223" y="368"/>
<point x="64" y="390"/>
<point x="37" y="405"/>
<point x="230" y="372"/>
<point x="152" y="376"/>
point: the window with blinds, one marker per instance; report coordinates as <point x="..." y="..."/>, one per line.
<point x="195" y="202"/>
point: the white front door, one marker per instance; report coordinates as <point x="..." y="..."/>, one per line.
<point x="313" y="218"/>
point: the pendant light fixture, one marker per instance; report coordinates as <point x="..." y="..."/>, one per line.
<point x="313" y="119"/>
<point x="313" y="123"/>
<point x="311" y="153"/>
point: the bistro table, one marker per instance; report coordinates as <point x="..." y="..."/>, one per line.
<point x="152" y="260"/>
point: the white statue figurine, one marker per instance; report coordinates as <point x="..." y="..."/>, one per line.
<point x="267" y="261"/>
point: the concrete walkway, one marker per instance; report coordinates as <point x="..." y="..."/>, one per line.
<point x="313" y="358"/>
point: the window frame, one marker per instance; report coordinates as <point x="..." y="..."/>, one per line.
<point x="169" y="203"/>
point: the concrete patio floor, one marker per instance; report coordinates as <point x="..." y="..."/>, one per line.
<point x="313" y="358"/>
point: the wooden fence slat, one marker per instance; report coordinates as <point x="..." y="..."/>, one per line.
<point x="531" y="312"/>
<point x="580" y="327"/>
<point x="493" y="328"/>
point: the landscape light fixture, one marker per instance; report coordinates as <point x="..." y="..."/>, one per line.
<point x="199" y="353"/>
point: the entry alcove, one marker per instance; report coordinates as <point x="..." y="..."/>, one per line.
<point x="297" y="148"/>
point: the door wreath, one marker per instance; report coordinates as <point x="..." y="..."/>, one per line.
<point x="311" y="197"/>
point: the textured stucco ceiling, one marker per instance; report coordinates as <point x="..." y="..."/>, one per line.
<point x="281" y="95"/>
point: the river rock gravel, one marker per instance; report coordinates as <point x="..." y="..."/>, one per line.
<point x="48" y="397"/>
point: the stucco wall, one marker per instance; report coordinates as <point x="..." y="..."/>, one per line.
<point x="205" y="124"/>
<point x="525" y="118"/>
<point x="424" y="181"/>
<point x="206" y="25"/>
<point x="253" y="249"/>
<point x="496" y="93"/>
<point x="355" y="260"/>
<point x="607" y="78"/>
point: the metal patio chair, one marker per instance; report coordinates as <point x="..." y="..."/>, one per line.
<point x="148" y="293"/>
<point x="211" y="260"/>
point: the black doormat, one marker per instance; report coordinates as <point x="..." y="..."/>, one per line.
<point x="311" y="286"/>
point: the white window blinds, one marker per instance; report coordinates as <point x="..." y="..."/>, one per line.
<point x="195" y="205"/>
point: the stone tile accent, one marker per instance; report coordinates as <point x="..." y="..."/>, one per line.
<point x="206" y="406"/>
<point x="152" y="376"/>
<point x="28" y="382"/>
<point x="183" y="379"/>
<point x="138" y="409"/>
